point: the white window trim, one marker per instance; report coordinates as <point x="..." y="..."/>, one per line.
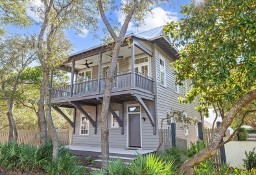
<point x="177" y="90"/>
<point x="186" y="86"/>
<point x="186" y="129"/>
<point x="81" y="117"/>
<point x="112" y="117"/>
<point x="145" y="63"/>
<point x="86" y="70"/>
<point x="108" y="65"/>
<point x="164" y="72"/>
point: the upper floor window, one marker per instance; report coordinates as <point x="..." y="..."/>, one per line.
<point x="162" y="72"/>
<point x="84" y="126"/>
<point x="105" y="70"/>
<point x="114" y="123"/>
<point x="142" y="66"/>
<point x="177" y="88"/>
<point x="85" y="75"/>
<point x="186" y="127"/>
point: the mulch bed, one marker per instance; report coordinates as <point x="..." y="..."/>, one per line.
<point x="4" y="171"/>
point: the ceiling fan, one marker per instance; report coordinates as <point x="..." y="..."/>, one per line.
<point x="87" y="64"/>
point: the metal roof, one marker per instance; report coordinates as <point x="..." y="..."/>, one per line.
<point x="156" y="34"/>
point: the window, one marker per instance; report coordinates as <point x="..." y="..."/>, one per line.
<point x="187" y="85"/>
<point x="114" y="123"/>
<point x="84" y="127"/>
<point x="85" y="76"/>
<point x="134" y="109"/>
<point x="186" y="127"/>
<point x="177" y="88"/>
<point x="142" y="66"/>
<point x="105" y="70"/>
<point x="162" y="72"/>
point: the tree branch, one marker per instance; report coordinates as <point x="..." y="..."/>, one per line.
<point x="105" y="20"/>
<point x="128" y="18"/>
<point x="232" y="135"/>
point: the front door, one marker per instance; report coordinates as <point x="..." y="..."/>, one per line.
<point x="134" y="130"/>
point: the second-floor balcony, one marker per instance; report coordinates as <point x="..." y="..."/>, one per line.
<point x="122" y="82"/>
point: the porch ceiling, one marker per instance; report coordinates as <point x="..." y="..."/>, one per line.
<point x="125" y="52"/>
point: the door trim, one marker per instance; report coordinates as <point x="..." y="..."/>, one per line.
<point x="127" y="125"/>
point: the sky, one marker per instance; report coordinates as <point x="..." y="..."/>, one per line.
<point x="85" y="39"/>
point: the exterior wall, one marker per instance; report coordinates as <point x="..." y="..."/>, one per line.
<point x="116" y="139"/>
<point x="235" y="152"/>
<point x="167" y="98"/>
<point x="123" y="67"/>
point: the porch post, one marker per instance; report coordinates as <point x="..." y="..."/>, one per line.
<point x="72" y="78"/>
<point x="99" y="72"/>
<point x="133" y="63"/>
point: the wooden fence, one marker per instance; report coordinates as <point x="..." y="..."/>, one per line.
<point x="33" y="137"/>
<point x="165" y="136"/>
<point x="208" y="134"/>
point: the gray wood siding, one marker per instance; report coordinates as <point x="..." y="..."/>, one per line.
<point x="167" y="98"/>
<point x="116" y="139"/>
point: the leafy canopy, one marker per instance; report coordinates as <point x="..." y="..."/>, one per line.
<point x="218" y="41"/>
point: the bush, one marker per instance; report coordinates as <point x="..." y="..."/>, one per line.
<point x="150" y="164"/>
<point x="28" y="157"/>
<point x="195" y="148"/>
<point x="174" y="155"/>
<point x="242" y="134"/>
<point x="250" y="160"/>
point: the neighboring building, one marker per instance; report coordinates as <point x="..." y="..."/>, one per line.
<point x="144" y="91"/>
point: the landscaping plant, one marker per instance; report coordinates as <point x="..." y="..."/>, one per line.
<point x="250" y="160"/>
<point x="242" y="134"/>
<point x="27" y="157"/>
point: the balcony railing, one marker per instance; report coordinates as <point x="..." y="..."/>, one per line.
<point x="120" y="82"/>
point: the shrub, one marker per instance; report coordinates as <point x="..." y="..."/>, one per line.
<point x="242" y="134"/>
<point x="250" y="160"/>
<point x="150" y="165"/>
<point x="28" y="157"/>
<point x="195" y="148"/>
<point x="174" y="155"/>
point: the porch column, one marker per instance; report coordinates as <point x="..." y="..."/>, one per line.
<point x="72" y="78"/>
<point x="133" y="63"/>
<point x="99" y="72"/>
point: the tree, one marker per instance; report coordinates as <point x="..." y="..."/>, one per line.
<point x="134" y="10"/>
<point x="219" y="55"/>
<point x="13" y="12"/>
<point x="52" y="48"/>
<point x="16" y="54"/>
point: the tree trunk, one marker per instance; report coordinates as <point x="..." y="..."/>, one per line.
<point x="188" y="166"/>
<point x="41" y="113"/>
<point x="106" y="103"/>
<point x="13" y="134"/>
<point x="51" y="128"/>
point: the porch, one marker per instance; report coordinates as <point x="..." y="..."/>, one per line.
<point x="114" y="152"/>
<point x="122" y="82"/>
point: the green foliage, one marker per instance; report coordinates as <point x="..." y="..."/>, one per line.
<point x="242" y="134"/>
<point x="250" y="160"/>
<point x="174" y="155"/>
<point x="142" y="165"/>
<point x="150" y="164"/>
<point x="195" y="148"/>
<point x="27" y="157"/>
<point x="218" y="51"/>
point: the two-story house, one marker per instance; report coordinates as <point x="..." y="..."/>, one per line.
<point x="144" y="91"/>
